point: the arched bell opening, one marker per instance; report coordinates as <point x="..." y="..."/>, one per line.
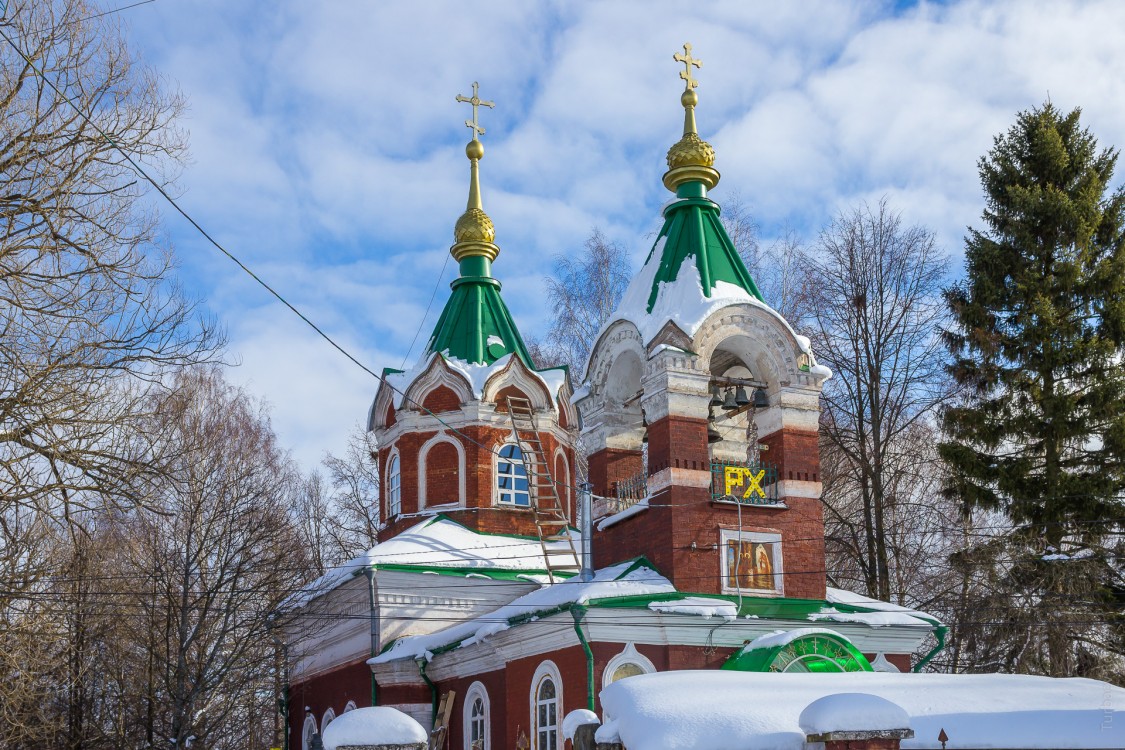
<point x="622" y="407"/>
<point x="742" y="388"/>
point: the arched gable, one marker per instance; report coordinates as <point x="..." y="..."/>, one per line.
<point x="437" y="374"/>
<point x="516" y="375"/>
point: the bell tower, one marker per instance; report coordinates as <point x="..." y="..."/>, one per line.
<point x="704" y="397"/>
<point x="445" y="440"/>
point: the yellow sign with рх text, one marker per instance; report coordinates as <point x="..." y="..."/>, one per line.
<point x="743" y="476"/>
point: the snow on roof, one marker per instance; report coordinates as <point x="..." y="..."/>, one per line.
<point x="852" y="599"/>
<point x="631" y="578"/>
<point x="725" y="710"/>
<point x="476" y="374"/>
<point x="874" y="619"/>
<point x="681" y="301"/>
<point x="703" y="606"/>
<point x="437" y="543"/>
<point x="783" y="638"/>
<point x="377" y="725"/>
<point x="852" y="712"/>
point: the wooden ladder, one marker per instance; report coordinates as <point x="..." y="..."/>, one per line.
<point x="550" y="516"/>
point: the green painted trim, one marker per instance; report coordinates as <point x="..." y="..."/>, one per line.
<point x="578" y="611"/>
<point x="939" y="633"/>
<point x="433" y="689"/>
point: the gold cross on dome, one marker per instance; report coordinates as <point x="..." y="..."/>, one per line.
<point x="688" y="61"/>
<point x="477" y="102"/>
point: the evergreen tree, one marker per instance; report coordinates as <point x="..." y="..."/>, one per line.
<point x="1038" y="345"/>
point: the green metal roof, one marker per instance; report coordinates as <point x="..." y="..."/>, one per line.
<point x="475" y="313"/>
<point x="694" y="233"/>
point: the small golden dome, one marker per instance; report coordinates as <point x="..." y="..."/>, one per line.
<point x="474" y="149"/>
<point x="691" y="151"/>
<point x="474" y="226"/>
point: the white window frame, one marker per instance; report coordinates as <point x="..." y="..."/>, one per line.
<point x="350" y="706"/>
<point x="477" y="691"/>
<point x="423" y="456"/>
<point x="328" y="718"/>
<point x="514" y="475"/>
<point x="546" y="670"/>
<point x="307" y="731"/>
<point x="563" y="483"/>
<point x="394" y="485"/>
<point x="629" y="655"/>
<point x="778" y="573"/>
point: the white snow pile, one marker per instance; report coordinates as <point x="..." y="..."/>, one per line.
<point x="436" y="543"/>
<point x="728" y="710"/>
<point x="377" y="725"/>
<point x="697" y="605"/>
<point x="577" y="718"/>
<point x="624" y="579"/>
<point x="851" y="712"/>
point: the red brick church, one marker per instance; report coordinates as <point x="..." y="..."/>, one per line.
<point x="697" y="417"/>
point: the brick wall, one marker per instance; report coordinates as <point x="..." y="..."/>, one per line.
<point x="480" y="512"/>
<point x="795" y="453"/>
<point x="350" y="682"/>
<point x="441" y="399"/>
<point x="678" y="442"/>
<point x="611" y="465"/>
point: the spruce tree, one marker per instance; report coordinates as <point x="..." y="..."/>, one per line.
<point x="1038" y="345"/>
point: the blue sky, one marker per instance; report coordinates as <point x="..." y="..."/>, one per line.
<point x="327" y="148"/>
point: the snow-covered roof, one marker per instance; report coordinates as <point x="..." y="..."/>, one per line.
<point x="631" y="578"/>
<point x="725" y="710"/>
<point x="376" y="725"/>
<point x="894" y="613"/>
<point x="438" y="543"/>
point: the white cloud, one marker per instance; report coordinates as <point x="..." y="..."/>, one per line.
<point x="328" y="148"/>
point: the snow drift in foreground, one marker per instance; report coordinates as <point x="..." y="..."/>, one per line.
<point x="725" y="710"/>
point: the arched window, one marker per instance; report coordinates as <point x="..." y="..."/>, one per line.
<point x="329" y="717"/>
<point x="441" y="472"/>
<point x="628" y="663"/>
<point x="546" y="698"/>
<point x="477" y="730"/>
<point x="511" y="477"/>
<point x="394" y="487"/>
<point x="307" y="732"/>
<point x="349" y="707"/>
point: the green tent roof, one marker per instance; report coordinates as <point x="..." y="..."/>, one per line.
<point x="475" y="325"/>
<point x="692" y="232"/>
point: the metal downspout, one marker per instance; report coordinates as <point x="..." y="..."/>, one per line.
<point x="579" y="612"/>
<point x="421" y="661"/>
<point x="939" y="632"/>
<point x="373" y="616"/>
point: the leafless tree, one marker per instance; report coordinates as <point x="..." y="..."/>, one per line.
<point x="775" y="268"/>
<point x="582" y="292"/>
<point x="89" y="319"/>
<point x="875" y="318"/>
<point x="223" y="555"/>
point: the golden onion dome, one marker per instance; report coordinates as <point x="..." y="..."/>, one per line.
<point x="474" y="226"/>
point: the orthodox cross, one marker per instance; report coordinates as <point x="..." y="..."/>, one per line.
<point x="688" y="61"/>
<point x="476" y="101"/>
